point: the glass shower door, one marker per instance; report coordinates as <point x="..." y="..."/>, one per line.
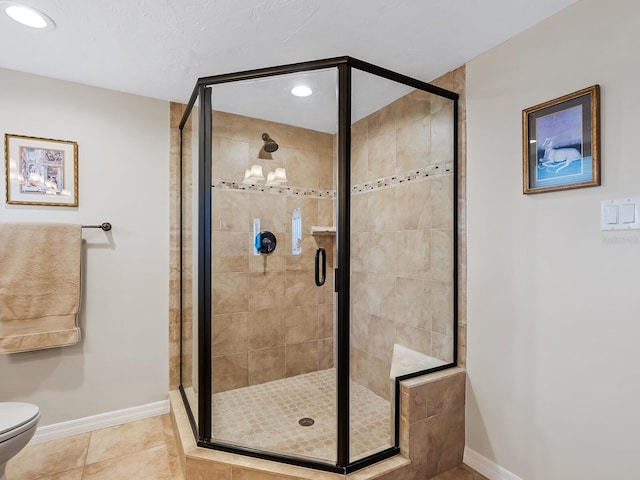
<point x="272" y="325"/>
<point x="401" y="241"/>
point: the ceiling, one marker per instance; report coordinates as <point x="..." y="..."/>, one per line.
<point x="158" y="48"/>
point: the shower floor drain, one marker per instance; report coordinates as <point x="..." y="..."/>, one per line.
<point x="306" y="421"/>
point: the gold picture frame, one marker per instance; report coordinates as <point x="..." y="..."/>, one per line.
<point x="561" y="143"/>
<point x="41" y="171"/>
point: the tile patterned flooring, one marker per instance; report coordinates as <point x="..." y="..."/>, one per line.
<point x="144" y="450"/>
<point x="266" y="416"/>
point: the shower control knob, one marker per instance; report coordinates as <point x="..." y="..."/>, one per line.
<point x="265" y="243"/>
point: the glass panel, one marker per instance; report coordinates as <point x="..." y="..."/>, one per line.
<point x="401" y="248"/>
<point x="272" y="327"/>
<point x="189" y="257"/>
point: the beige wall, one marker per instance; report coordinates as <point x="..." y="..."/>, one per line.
<point x="553" y="325"/>
<point x="123" y="174"/>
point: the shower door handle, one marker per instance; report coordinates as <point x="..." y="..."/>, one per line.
<point x="320" y="252"/>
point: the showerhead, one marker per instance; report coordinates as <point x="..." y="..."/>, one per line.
<point x="270" y="145"/>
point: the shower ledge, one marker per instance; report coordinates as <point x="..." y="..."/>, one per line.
<point x="321" y="230"/>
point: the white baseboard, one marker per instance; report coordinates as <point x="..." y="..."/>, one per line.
<point x="96" y="422"/>
<point x="486" y="467"/>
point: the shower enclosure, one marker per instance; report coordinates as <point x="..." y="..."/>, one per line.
<point x="317" y="258"/>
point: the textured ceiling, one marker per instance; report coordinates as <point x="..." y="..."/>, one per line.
<point x="158" y="48"/>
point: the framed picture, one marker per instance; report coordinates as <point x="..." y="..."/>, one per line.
<point x="561" y="143"/>
<point x="41" y="171"/>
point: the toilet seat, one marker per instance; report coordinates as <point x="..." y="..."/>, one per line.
<point x="15" y="418"/>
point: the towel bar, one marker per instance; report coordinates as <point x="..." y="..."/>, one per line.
<point x="106" y="226"/>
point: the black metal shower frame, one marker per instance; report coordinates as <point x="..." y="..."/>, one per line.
<point x="202" y="428"/>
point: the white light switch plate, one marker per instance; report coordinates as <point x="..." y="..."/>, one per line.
<point x="620" y="214"/>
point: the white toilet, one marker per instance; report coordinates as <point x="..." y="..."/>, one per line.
<point x="18" y="423"/>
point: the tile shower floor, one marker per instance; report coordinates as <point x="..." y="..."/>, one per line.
<point x="266" y="417"/>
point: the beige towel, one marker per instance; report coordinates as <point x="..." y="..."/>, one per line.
<point x="39" y="285"/>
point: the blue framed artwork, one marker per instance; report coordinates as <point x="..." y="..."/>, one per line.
<point x="561" y="143"/>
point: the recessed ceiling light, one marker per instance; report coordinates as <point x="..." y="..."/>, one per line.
<point x="27" y="16"/>
<point x="301" y="91"/>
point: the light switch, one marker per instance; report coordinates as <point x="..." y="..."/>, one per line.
<point x="628" y="213"/>
<point x="612" y="214"/>
<point x="620" y="214"/>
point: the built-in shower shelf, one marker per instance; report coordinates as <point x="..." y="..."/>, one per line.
<point x="319" y="230"/>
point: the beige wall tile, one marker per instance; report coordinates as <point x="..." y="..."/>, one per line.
<point x="360" y="132"/>
<point x="445" y="437"/>
<point x="413" y="253"/>
<point x="418" y="339"/>
<point x="300" y="289"/>
<point x="381" y="257"/>
<point x="305" y="260"/>
<point x="413" y="302"/>
<point x="271" y="210"/>
<point x="412" y="206"/>
<point x="382" y="122"/>
<point x="302" y="167"/>
<point x="308" y="210"/>
<point x="230" y="158"/>
<point x="381" y="210"/>
<point x="380" y="337"/>
<point x="75" y="474"/>
<point x="442" y="255"/>
<point x="326" y="212"/>
<point x="442" y="347"/>
<point x="359" y="327"/>
<point x="301" y="324"/>
<point x="205" y="470"/>
<point x="326" y="353"/>
<point x="302" y="358"/>
<point x="229" y="334"/>
<point x="240" y="473"/>
<point x="413" y="144"/>
<point x="326" y="320"/>
<point x="371" y="372"/>
<point x="266" y="328"/>
<point x="446" y="394"/>
<point x="441" y="134"/>
<point x="413" y="402"/>
<point x="380" y="296"/>
<point x="229" y="372"/>
<point x="266" y="290"/>
<point x="442" y="309"/>
<point x="326" y="171"/>
<point x="359" y="162"/>
<point x="266" y="365"/>
<point x="274" y="262"/>
<point x="441" y="202"/>
<point x="360" y="213"/>
<point x="230" y="251"/>
<point x="230" y="293"/>
<point x="381" y="150"/>
<point x="230" y="211"/>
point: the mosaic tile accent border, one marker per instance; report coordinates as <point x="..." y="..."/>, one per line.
<point x="437" y="170"/>
<point x="426" y="173"/>
<point x="274" y="189"/>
